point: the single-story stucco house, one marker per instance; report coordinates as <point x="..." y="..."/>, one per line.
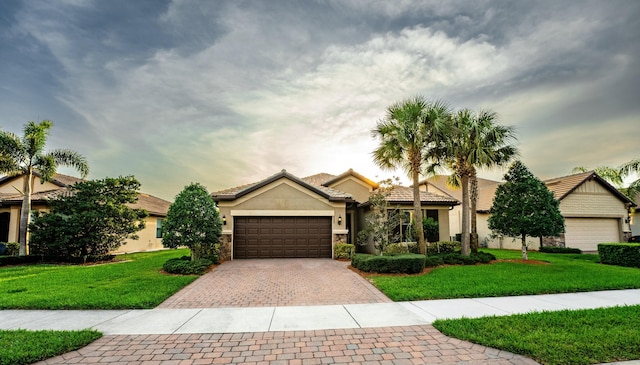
<point x="11" y="202"/>
<point x="594" y="212"/>
<point x="287" y="216"/>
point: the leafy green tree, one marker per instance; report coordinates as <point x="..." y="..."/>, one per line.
<point x="431" y="229"/>
<point x="523" y="206"/>
<point x="476" y="140"/>
<point x="90" y="220"/>
<point x="193" y="221"/>
<point x="406" y="133"/>
<point x="24" y="156"/>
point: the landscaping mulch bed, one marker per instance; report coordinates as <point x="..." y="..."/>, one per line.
<point x="428" y="270"/>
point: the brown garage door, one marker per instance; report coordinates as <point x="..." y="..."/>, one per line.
<point x="281" y="237"/>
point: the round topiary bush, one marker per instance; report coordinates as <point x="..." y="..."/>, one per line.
<point x="184" y="266"/>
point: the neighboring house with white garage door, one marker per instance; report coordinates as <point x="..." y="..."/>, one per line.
<point x="287" y="216"/>
<point x="594" y="212"/>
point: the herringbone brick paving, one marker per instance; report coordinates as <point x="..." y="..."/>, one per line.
<point x="389" y="345"/>
<point x="276" y="282"/>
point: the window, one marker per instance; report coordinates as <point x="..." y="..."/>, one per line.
<point x="159" y="228"/>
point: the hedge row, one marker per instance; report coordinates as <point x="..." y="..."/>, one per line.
<point x="184" y="266"/>
<point x="620" y="254"/>
<point x="553" y="249"/>
<point x="408" y="263"/>
<point x="459" y="259"/>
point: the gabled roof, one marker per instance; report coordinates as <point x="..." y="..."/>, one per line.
<point x="565" y="185"/>
<point x="58" y="179"/>
<point x="239" y="191"/>
<point x="319" y="179"/>
<point x="561" y="187"/>
<point x="348" y="173"/>
<point x="153" y="205"/>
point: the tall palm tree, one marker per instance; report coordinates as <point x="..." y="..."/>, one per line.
<point x="632" y="168"/>
<point x="407" y="131"/>
<point x="476" y="141"/>
<point x="24" y="156"/>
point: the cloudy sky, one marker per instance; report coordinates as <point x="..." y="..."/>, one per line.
<point x="230" y="92"/>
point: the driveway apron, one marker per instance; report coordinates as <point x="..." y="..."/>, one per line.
<point x="276" y="282"/>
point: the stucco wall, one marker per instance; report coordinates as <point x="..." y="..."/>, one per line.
<point x="283" y="198"/>
<point x="358" y="189"/>
<point x="147" y="240"/>
<point x="9" y="187"/>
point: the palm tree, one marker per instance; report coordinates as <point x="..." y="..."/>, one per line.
<point x="476" y="141"/>
<point x="632" y="168"/>
<point x="406" y="133"/>
<point x="26" y="156"/>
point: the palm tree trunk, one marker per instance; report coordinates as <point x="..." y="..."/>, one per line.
<point x="417" y="211"/>
<point x="465" y="249"/>
<point x="474" y="213"/>
<point x="25" y="213"/>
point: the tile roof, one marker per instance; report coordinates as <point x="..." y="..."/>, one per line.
<point x="153" y="205"/>
<point x="238" y="191"/>
<point x="319" y="179"/>
<point x="404" y="194"/>
<point x="560" y="187"/>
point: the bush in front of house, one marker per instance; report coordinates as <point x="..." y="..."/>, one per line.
<point x="403" y="263"/>
<point x="440" y="247"/>
<point x="19" y="260"/>
<point x="94" y="219"/>
<point x="553" y="249"/>
<point x="401" y="247"/>
<point x="11" y="248"/>
<point x="184" y="266"/>
<point x="343" y="250"/>
<point x="455" y="258"/>
<point x="620" y="254"/>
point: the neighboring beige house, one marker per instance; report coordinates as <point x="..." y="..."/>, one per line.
<point x="11" y="202"/>
<point x="287" y="216"/>
<point x="594" y="212"/>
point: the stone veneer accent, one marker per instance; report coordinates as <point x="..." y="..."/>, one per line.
<point x="339" y="238"/>
<point x="225" y="247"/>
<point x="557" y="241"/>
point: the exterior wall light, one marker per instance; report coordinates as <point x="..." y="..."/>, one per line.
<point x="224" y="220"/>
<point x="339" y="220"/>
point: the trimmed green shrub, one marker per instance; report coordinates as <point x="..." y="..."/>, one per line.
<point x="19" y="260"/>
<point x="184" y="266"/>
<point x="343" y="250"/>
<point x="433" y="261"/>
<point x="401" y="247"/>
<point x="620" y="254"/>
<point x="459" y="259"/>
<point x="403" y="263"/>
<point x="552" y="249"/>
<point x="443" y="247"/>
<point x="12" y="248"/>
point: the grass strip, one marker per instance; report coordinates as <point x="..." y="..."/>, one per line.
<point x="562" y="274"/>
<point x="134" y="282"/>
<point x="18" y="347"/>
<point x="565" y="337"/>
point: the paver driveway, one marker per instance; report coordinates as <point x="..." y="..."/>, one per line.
<point x="276" y="282"/>
<point x="375" y="346"/>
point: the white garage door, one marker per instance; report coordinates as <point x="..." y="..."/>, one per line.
<point x="586" y="233"/>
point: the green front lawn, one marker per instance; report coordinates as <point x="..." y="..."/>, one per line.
<point x="133" y="282"/>
<point x="566" y="337"/>
<point x="562" y="273"/>
<point x="22" y="347"/>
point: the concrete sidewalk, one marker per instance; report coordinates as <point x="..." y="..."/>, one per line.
<point x="303" y="318"/>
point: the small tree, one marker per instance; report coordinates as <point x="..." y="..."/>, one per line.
<point x="193" y="221"/>
<point x="89" y="220"/>
<point x="380" y="221"/>
<point x="523" y="206"/>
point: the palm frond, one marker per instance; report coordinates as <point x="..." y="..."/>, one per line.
<point x="65" y="157"/>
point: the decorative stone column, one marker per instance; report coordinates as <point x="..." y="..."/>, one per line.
<point x="225" y="247"/>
